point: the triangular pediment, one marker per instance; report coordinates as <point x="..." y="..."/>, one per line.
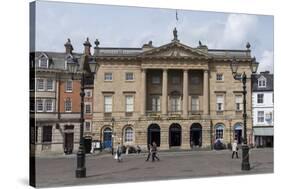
<point x="175" y="49"/>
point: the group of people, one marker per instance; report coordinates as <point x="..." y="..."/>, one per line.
<point x="152" y="152"/>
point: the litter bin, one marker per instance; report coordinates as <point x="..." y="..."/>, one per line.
<point x="88" y="144"/>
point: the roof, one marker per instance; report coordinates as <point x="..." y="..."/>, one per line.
<point x="269" y="82"/>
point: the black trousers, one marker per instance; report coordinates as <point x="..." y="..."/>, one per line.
<point x="154" y="156"/>
<point x="148" y="156"/>
<point x="234" y="152"/>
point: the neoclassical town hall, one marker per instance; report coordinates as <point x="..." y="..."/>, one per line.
<point x="178" y="96"/>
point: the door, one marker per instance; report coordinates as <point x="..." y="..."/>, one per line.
<point x="153" y="134"/>
<point x="175" y="135"/>
<point x="68" y="143"/>
<point x="107" y="138"/>
<point x="196" y="135"/>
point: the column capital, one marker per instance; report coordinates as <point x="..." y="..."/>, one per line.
<point x="165" y="69"/>
<point x="206" y="70"/>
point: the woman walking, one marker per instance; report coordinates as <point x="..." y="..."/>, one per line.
<point x="234" y="149"/>
<point x="154" y="152"/>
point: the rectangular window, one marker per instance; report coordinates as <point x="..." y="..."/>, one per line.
<point x="262" y="83"/>
<point x="108" y="104"/>
<point x="220" y="102"/>
<point x="108" y="76"/>
<point x="176" y="104"/>
<point x="50" y="85"/>
<point x="39" y="105"/>
<point x="129" y="103"/>
<point x="156" y="104"/>
<point x="260" y="116"/>
<point x="155" y="79"/>
<point x="219" y="77"/>
<point x="88" y="108"/>
<point x="260" y="98"/>
<point x="40" y="84"/>
<point x="194" y="103"/>
<point x="129" y="76"/>
<point x="49" y="105"/>
<point x="88" y="93"/>
<point x="87" y="126"/>
<point x="219" y="133"/>
<point x="68" y="105"/>
<point x="47" y="134"/>
<point x="68" y="86"/>
<point x="238" y="102"/>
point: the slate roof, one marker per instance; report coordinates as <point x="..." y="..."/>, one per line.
<point x="269" y="82"/>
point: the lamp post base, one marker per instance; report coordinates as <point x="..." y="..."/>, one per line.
<point x="81" y="172"/>
<point x="81" y="169"/>
<point x="245" y="158"/>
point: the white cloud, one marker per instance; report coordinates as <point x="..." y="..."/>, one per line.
<point x="266" y="61"/>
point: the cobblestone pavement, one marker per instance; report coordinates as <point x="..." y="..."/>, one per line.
<point x="101" y="169"/>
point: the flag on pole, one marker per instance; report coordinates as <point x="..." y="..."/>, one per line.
<point x="177" y="15"/>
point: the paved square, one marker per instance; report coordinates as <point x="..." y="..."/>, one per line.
<point x="60" y="171"/>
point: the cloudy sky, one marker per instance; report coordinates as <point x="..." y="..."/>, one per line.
<point x="117" y="26"/>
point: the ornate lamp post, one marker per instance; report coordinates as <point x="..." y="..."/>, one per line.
<point x="88" y="68"/>
<point x="245" y="147"/>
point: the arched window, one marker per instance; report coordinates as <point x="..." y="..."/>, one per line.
<point x="129" y="134"/>
<point x="219" y="131"/>
<point x="43" y="61"/>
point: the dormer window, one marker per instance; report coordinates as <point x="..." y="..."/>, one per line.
<point x="43" y="61"/>
<point x="262" y="82"/>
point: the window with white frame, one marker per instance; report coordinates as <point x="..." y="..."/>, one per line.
<point x="88" y="93"/>
<point x="49" y="105"/>
<point x="176" y="103"/>
<point x="260" y="98"/>
<point x="156" y="104"/>
<point x="155" y="79"/>
<point x="129" y="100"/>
<point x="87" y="126"/>
<point x="68" y="105"/>
<point x="262" y="82"/>
<point x="68" y="86"/>
<point x="43" y="62"/>
<point x="129" y="76"/>
<point x="107" y="104"/>
<point x="238" y="102"/>
<point x="39" y="105"/>
<point x="50" y="85"/>
<point x="219" y="77"/>
<point x="219" y="131"/>
<point x="88" y="108"/>
<point x="40" y="84"/>
<point x="129" y="134"/>
<point x="108" y="76"/>
<point x="194" y="103"/>
<point x="220" y="102"/>
<point x="260" y="116"/>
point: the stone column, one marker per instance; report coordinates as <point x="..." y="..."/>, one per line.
<point x="164" y="92"/>
<point x="206" y="93"/>
<point x="185" y="93"/>
<point x="143" y="92"/>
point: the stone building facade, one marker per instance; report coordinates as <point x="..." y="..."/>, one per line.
<point x="176" y="95"/>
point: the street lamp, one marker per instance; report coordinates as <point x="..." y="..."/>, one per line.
<point x="245" y="148"/>
<point x="112" y="135"/>
<point x="87" y="67"/>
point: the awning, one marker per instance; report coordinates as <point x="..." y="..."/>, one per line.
<point x="263" y="131"/>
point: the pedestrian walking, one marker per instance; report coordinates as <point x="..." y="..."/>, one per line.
<point x="138" y="149"/>
<point x="149" y="148"/>
<point x="234" y="149"/>
<point x="154" y="152"/>
<point x="119" y="152"/>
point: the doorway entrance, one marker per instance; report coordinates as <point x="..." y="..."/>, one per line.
<point x="153" y="134"/>
<point x="175" y="135"/>
<point x="238" y="132"/>
<point x="107" y="138"/>
<point x="68" y="143"/>
<point x="195" y="135"/>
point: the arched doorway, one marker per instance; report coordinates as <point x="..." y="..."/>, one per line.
<point x="107" y="138"/>
<point x="238" y="132"/>
<point x="196" y="135"/>
<point x="175" y="135"/>
<point x="153" y="134"/>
